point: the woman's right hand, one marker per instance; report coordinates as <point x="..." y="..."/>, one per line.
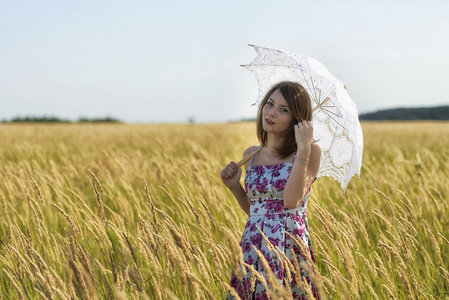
<point x="230" y="175"/>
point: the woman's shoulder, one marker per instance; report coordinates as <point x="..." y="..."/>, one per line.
<point x="249" y="150"/>
<point x="316" y="148"/>
<point x="315" y="152"/>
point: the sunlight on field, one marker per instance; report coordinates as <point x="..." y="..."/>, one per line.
<point x="139" y="212"/>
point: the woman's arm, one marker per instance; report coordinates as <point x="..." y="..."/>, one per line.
<point x="230" y="176"/>
<point x="301" y="176"/>
<point x="242" y="198"/>
<point x="305" y="167"/>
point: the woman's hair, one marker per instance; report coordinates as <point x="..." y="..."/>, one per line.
<point x="300" y="106"/>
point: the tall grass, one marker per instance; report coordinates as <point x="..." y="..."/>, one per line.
<point x="139" y="212"/>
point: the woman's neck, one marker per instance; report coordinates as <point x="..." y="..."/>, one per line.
<point x="273" y="142"/>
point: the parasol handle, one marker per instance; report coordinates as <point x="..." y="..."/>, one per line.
<point x="248" y="157"/>
<point x="321" y="104"/>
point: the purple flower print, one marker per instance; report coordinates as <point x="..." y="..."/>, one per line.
<point x="295" y="218"/>
<point x="262" y="296"/>
<point x="233" y="281"/>
<point x="274" y="241"/>
<point x="293" y="282"/>
<point x="246" y="285"/>
<point x="259" y="170"/>
<point x="269" y="205"/>
<point x="247" y="247"/>
<point x="273" y="230"/>
<point x="239" y="289"/>
<point x="299" y="231"/>
<point x="276" y="174"/>
<point x="253" y="228"/>
<point x="279" y="208"/>
<point x="280" y="274"/>
<point x="311" y="252"/>
<point x="262" y="188"/>
<point x="279" y="184"/>
<point x="272" y="267"/>
<point x="256" y="240"/>
<point x="269" y="216"/>
<point x="268" y="258"/>
<point x="250" y="261"/>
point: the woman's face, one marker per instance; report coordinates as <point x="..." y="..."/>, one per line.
<point x="277" y="116"/>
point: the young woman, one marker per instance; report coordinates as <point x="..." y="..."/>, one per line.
<point x="277" y="184"/>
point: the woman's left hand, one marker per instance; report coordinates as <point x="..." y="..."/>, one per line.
<point x="304" y="135"/>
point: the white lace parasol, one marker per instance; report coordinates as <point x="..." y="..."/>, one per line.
<point x="336" y="124"/>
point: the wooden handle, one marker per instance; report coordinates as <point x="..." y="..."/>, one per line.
<point x="321" y="104"/>
<point x="248" y="157"/>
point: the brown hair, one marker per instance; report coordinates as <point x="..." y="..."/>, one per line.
<point x="298" y="101"/>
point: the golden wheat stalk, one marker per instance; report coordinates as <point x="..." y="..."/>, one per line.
<point x="14" y="284"/>
<point x="150" y="201"/>
<point x="274" y="283"/>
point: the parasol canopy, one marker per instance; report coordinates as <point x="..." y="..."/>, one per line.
<point x="336" y="125"/>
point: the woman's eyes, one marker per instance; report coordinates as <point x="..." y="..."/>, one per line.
<point x="282" y="109"/>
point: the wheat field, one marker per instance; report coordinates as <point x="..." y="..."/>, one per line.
<point x="138" y="211"/>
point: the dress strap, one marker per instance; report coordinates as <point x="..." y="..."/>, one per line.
<point x="294" y="156"/>
<point x="252" y="158"/>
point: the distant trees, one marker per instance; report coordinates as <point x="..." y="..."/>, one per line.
<point x="408" y="114"/>
<point x="98" y="120"/>
<point x="32" y="119"/>
<point x="53" y="119"/>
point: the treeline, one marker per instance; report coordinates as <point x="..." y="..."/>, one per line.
<point x="52" y="119"/>
<point x="408" y="114"/>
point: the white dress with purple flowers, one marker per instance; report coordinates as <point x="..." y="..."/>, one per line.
<point x="265" y="188"/>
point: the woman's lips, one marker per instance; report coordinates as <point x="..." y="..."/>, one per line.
<point x="269" y="122"/>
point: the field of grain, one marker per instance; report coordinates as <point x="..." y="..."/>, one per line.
<point x="139" y="212"/>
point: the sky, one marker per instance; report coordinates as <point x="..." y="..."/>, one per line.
<point x="171" y="61"/>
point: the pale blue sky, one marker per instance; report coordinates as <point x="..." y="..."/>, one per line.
<point x="165" y="61"/>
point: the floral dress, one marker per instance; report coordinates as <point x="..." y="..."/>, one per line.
<point x="264" y="186"/>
